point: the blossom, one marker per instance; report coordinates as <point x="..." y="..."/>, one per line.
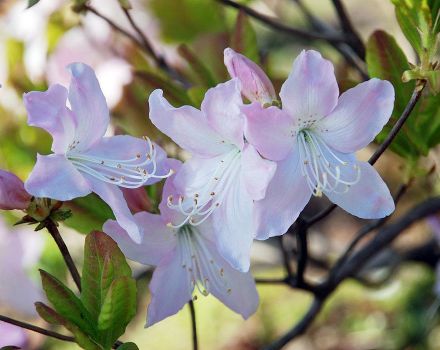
<point x="12" y="192"/>
<point x="186" y="261"/>
<point x="224" y="176"/>
<point x="313" y="139"/>
<point x="85" y="161"/>
<point x="12" y="335"/>
<point x="20" y="249"/>
<point x="256" y="86"/>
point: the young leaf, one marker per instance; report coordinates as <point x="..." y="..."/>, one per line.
<point x="103" y="263"/>
<point x="244" y="38"/>
<point x="128" y="346"/>
<point x="197" y="66"/>
<point x="118" y="309"/>
<point x="32" y="3"/>
<point x="52" y="317"/>
<point x="66" y="303"/>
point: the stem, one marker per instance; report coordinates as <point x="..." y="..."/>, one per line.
<point x="36" y="329"/>
<point x="301" y="239"/>
<point x="193" y="324"/>
<point x="53" y="230"/>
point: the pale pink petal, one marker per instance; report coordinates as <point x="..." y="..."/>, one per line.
<point x="311" y="91"/>
<point x="286" y="197"/>
<point x="169" y="189"/>
<point x="360" y="115"/>
<point x="12" y="335"/>
<point x="255" y="85"/>
<point x="12" y="192"/>
<point x="234" y="225"/>
<point x="158" y="239"/>
<point x="270" y="130"/>
<point x="369" y="198"/>
<point x="55" y="177"/>
<point x="170" y="289"/>
<point x="256" y="172"/>
<point x="187" y="126"/>
<point x="222" y="106"/>
<point x="88" y="105"/>
<point x="235" y="289"/>
<point x="113" y="196"/>
<point x="47" y="110"/>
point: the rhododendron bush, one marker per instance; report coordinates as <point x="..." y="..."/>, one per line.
<point x="252" y="162"/>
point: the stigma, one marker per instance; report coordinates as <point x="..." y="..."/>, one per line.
<point x="322" y="168"/>
<point x="132" y="172"/>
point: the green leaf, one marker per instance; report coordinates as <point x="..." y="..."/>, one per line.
<point x="118" y="309"/>
<point x="67" y="304"/>
<point x="32" y="3"/>
<point x="197" y="66"/>
<point x="197" y="94"/>
<point x="52" y="317"/>
<point x="103" y="263"/>
<point x="128" y="346"/>
<point x="244" y="38"/>
<point x="184" y="20"/>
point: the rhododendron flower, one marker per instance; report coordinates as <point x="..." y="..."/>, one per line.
<point x="12" y="192"/>
<point x="313" y="138"/>
<point x="12" y="335"/>
<point x="187" y="261"/>
<point x="224" y="176"/>
<point x="84" y="160"/>
<point x="255" y="85"/>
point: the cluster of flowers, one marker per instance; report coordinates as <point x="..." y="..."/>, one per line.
<point x="253" y="168"/>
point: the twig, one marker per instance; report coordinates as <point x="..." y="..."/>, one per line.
<point x="302" y="246"/>
<point x="348" y="28"/>
<point x="286" y="259"/>
<point x="271" y="22"/>
<point x="193" y="325"/>
<point x="53" y="230"/>
<point x="36" y="329"/>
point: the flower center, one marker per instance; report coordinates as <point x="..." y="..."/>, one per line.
<point x="322" y="168"/>
<point x="129" y="173"/>
<point x="198" y="205"/>
<point x="203" y="271"/>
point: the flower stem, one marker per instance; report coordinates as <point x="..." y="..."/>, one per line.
<point x="193" y="324"/>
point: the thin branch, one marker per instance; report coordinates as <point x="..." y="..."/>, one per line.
<point x="348" y="28"/>
<point x="273" y="23"/>
<point x="53" y="230"/>
<point x="417" y="93"/>
<point x="286" y="259"/>
<point x="193" y="325"/>
<point x="36" y="329"/>
<point x="302" y="246"/>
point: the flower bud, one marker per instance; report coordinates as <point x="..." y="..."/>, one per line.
<point x="256" y="86"/>
<point x="12" y="192"/>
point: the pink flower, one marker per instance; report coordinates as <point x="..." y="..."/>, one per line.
<point x="224" y="176"/>
<point x="186" y="261"/>
<point x="12" y="192"/>
<point x="84" y="160"/>
<point x="313" y="139"/>
<point x="12" y="335"/>
<point x="255" y="85"/>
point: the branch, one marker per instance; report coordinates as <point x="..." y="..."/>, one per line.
<point x="36" y="329"/>
<point x="53" y="230"/>
<point x="302" y="246"/>
<point x="271" y="22"/>
<point x="193" y="324"/>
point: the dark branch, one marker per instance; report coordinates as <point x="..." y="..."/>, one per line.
<point x="53" y="230"/>
<point x="36" y="329"/>
<point x="302" y="246"/>
<point x="193" y="325"/>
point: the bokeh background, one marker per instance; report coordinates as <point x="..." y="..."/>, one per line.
<point x="393" y="305"/>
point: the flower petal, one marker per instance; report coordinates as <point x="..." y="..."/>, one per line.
<point x="370" y="198"/>
<point x="47" y="110"/>
<point x="170" y="289"/>
<point x="187" y="126"/>
<point x="222" y="106"/>
<point x="311" y="91"/>
<point x="55" y="177"/>
<point x="113" y="196"/>
<point x="286" y="197"/>
<point x="12" y="336"/>
<point x="256" y="172"/>
<point x="235" y="289"/>
<point x="270" y="130"/>
<point x="12" y="192"/>
<point x="360" y="115"/>
<point x="88" y="105"/>
<point x="233" y="222"/>
<point x="158" y="240"/>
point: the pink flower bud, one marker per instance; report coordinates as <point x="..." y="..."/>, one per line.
<point x="12" y="192"/>
<point x="255" y="85"/>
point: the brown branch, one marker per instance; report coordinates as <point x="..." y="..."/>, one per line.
<point x="193" y="325"/>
